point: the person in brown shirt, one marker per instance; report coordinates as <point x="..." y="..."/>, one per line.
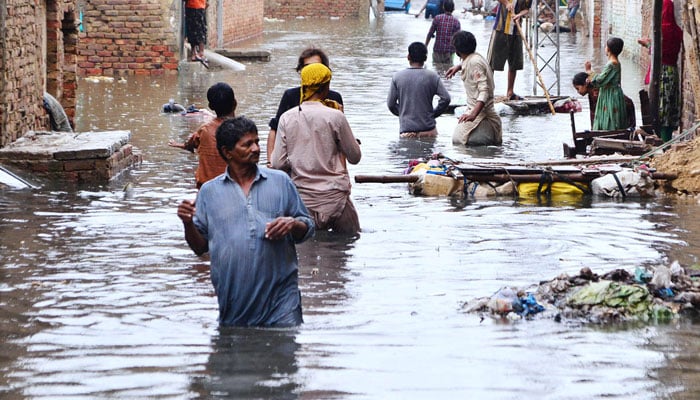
<point x="223" y="101"/>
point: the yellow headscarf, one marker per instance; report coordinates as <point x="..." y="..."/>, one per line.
<point x="313" y="76"/>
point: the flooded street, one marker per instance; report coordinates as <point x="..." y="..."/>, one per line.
<point x="100" y="297"/>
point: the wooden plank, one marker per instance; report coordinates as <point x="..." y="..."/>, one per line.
<point x="611" y="146"/>
<point x="617" y="134"/>
<point x="386" y="178"/>
<point x="554" y="177"/>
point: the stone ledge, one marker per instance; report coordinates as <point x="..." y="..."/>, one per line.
<point x="87" y="156"/>
<point x="244" y="54"/>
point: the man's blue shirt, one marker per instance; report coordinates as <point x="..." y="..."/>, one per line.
<point x="255" y="279"/>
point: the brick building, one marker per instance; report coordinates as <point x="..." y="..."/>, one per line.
<point x="42" y="49"/>
<point x="631" y="20"/>
<point x="122" y="37"/>
<point x="126" y="37"/>
<point x="38" y="42"/>
<point x="46" y="44"/>
<point x="287" y="9"/>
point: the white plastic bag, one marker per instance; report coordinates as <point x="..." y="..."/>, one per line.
<point x="628" y="183"/>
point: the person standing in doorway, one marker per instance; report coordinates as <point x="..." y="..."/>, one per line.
<point x="506" y="43"/>
<point x="669" y="78"/>
<point x="443" y="27"/>
<point x="196" y="27"/>
<point x="411" y="95"/>
<point x="249" y="220"/>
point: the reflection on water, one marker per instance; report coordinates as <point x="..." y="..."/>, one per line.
<point x="250" y="363"/>
<point x="100" y="297"/>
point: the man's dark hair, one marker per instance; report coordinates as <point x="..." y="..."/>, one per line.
<point x="464" y="42"/>
<point x="309" y="52"/>
<point x="580" y="79"/>
<point x="615" y="45"/>
<point x="221" y="99"/>
<point x="231" y="131"/>
<point x="418" y="52"/>
<point x="448" y="6"/>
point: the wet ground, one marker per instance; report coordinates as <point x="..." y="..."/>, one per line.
<point x="100" y="297"/>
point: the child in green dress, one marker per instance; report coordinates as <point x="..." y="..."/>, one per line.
<point x="610" y="111"/>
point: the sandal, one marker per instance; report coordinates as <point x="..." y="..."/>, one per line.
<point x="202" y="60"/>
<point x="514" y="97"/>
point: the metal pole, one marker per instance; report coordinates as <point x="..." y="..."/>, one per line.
<point x="540" y="39"/>
<point x="534" y="38"/>
<point x="220" y="23"/>
<point x="181" y="39"/>
<point x="534" y="65"/>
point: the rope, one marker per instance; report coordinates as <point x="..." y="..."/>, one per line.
<point x="668" y="144"/>
<point x="545" y="179"/>
<point x="619" y="185"/>
<point x="583" y="188"/>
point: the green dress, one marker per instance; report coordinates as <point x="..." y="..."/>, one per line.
<point x="610" y="111"/>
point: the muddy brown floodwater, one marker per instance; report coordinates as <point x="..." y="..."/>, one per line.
<point x="100" y="297"/>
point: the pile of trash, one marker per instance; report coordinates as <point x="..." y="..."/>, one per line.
<point x="649" y="294"/>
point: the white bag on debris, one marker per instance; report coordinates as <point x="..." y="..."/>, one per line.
<point x="628" y="183"/>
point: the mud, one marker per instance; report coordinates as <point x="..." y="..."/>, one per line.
<point x="683" y="160"/>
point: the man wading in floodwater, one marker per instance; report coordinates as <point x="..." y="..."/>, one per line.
<point x="249" y="219"/>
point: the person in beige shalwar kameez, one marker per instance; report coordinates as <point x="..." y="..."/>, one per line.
<point x="480" y="125"/>
<point x="314" y="143"/>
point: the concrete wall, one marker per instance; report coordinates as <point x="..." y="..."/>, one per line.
<point x="288" y="9"/>
<point x="37" y="54"/>
<point x="615" y="18"/>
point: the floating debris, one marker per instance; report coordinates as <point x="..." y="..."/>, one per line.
<point x="661" y="294"/>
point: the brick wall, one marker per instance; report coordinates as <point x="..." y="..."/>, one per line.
<point x="594" y="10"/>
<point x="125" y="37"/>
<point x="690" y="71"/>
<point x="688" y="117"/>
<point x="242" y="19"/>
<point x="28" y="69"/>
<point x="288" y="9"/>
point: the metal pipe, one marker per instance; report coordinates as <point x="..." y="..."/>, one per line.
<point x="219" y="23"/>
